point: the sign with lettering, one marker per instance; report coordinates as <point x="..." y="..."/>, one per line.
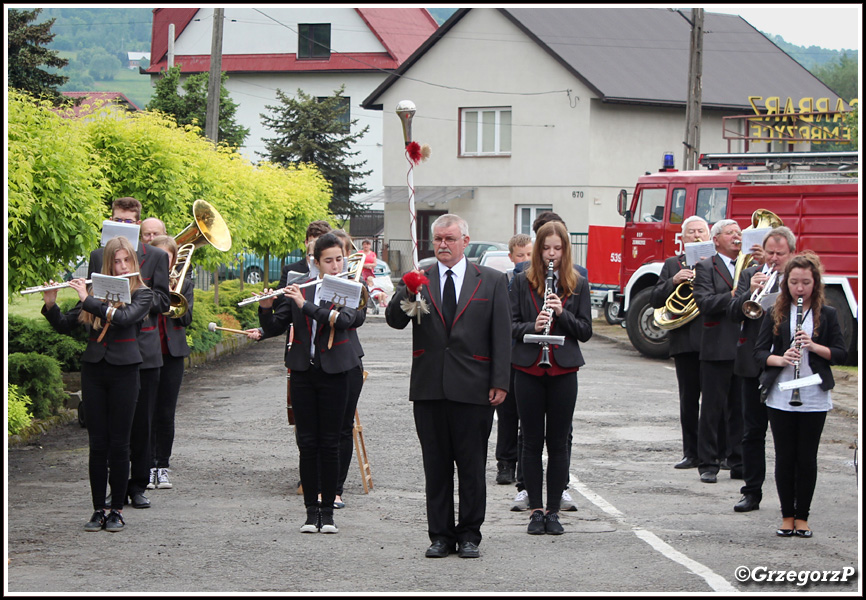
<point x="806" y="120"/>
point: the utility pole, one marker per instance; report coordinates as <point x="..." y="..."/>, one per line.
<point x="170" y="59"/>
<point x="214" y="84"/>
<point x="692" y="141"/>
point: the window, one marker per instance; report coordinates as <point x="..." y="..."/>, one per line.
<point x="712" y="204"/>
<point x="314" y="40"/>
<point x="650" y="205"/>
<point x="346" y="116"/>
<point x="526" y="216"/>
<point x="678" y="205"/>
<point x="485" y="131"/>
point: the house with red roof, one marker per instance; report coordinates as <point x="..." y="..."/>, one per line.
<point x="313" y="48"/>
<point x="89" y="102"/>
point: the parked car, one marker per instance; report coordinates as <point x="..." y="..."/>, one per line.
<point x="497" y="259"/>
<point x="474" y="251"/>
<point x="254" y="267"/>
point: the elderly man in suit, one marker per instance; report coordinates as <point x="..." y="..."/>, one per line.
<point x="461" y="365"/>
<point x="721" y="405"/>
<point x="153" y="267"/>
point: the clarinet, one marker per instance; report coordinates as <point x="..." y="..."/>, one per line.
<point x="544" y="363"/>
<point x="795" y="393"/>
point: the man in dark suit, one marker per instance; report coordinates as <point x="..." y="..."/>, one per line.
<point x="721" y="404"/>
<point x="685" y="343"/>
<point x="778" y="247"/>
<point x="461" y="368"/>
<point x="153" y="267"/>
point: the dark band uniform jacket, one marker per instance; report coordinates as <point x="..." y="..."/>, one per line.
<point x="829" y="334"/>
<point x="745" y="364"/>
<point x="118" y="346"/>
<point x="686" y="338"/>
<point x="153" y="270"/>
<point x="712" y="291"/>
<point x="342" y="356"/>
<point x="477" y="355"/>
<point x="575" y="323"/>
<point x="175" y="329"/>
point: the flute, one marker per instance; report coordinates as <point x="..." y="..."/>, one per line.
<point x="281" y="291"/>
<point x="57" y="286"/>
<point x="795" y="393"/>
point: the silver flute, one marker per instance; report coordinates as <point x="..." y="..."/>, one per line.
<point x="57" y="286"/>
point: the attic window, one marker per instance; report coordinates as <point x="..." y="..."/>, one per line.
<point x="314" y="40"/>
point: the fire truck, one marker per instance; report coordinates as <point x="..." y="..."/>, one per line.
<point x="815" y="194"/>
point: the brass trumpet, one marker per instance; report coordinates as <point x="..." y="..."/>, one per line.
<point x="752" y="307"/>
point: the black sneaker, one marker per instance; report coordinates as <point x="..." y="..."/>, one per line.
<point x="326" y="524"/>
<point x="536" y="523"/>
<point x="314" y="520"/>
<point x="114" y="522"/>
<point x="552" y="525"/>
<point x="97" y="521"/>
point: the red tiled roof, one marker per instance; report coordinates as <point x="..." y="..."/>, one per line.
<point x="400" y="30"/>
<point x="89" y="98"/>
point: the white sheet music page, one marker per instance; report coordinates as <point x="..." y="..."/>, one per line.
<point x="113" y="289"/>
<point x="112" y="229"/>
<point x="341" y="291"/>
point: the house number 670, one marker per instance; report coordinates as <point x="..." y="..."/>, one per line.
<point x="577" y="194"/>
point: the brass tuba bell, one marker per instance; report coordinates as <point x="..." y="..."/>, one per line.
<point x="208" y="227"/>
<point x="680" y="308"/>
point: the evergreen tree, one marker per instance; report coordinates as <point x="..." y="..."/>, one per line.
<point x="27" y="53"/>
<point x="317" y="131"/>
<point x="191" y="107"/>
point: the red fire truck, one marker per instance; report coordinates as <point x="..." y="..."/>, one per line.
<point x="815" y="194"/>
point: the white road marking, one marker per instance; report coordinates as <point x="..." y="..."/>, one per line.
<point x="714" y="580"/>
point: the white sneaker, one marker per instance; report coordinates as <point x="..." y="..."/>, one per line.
<point x="521" y="501"/>
<point x="162" y="481"/>
<point x="567" y="503"/>
<point x="151" y="483"/>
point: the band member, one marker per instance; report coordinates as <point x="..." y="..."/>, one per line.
<point x="461" y="355"/>
<point x="685" y="341"/>
<point x="546" y="395"/>
<point x="713" y="289"/>
<point x="320" y="359"/>
<point x="153" y="264"/>
<point x="778" y="246"/>
<point x="172" y="339"/>
<point x="109" y="377"/>
<point x="314" y="230"/>
<point x="793" y="348"/>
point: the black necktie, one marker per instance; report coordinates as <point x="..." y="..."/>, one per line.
<point x="449" y="301"/>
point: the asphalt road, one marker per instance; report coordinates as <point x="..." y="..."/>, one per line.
<point x="230" y="525"/>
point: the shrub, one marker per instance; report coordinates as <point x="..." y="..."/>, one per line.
<point x="36" y="335"/>
<point x="203" y="312"/>
<point x="17" y="410"/>
<point x="38" y="376"/>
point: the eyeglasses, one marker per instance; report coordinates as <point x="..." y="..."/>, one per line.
<point x="118" y="220"/>
<point x="448" y="240"/>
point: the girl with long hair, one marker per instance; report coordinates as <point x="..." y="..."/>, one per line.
<point x="816" y="344"/>
<point x="546" y="396"/>
<point x="109" y="376"/>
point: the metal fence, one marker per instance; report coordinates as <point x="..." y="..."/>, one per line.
<point x="398" y="253"/>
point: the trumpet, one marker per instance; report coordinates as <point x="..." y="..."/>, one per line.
<point x="57" y="286"/>
<point x="752" y="307"/>
<point x="795" y="393"/>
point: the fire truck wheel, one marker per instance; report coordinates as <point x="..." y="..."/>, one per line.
<point x="644" y="334"/>
<point x="613" y="312"/>
<point x="836" y="298"/>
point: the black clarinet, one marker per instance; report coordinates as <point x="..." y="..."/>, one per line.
<point x="795" y="393"/>
<point x="544" y="363"/>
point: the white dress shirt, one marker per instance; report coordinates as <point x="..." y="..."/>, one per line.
<point x="458" y="273"/>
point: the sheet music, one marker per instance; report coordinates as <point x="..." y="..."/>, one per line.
<point x="113" y="289"/>
<point x="341" y="291"/>
<point x="802" y="382"/>
<point x="769" y="300"/>
<point x="695" y="251"/>
<point x="113" y="229"/>
<point x="752" y="237"/>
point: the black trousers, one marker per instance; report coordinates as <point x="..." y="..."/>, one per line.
<point x="110" y="393"/>
<point x="347" y="441"/>
<point x="319" y="400"/>
<point x="454" y="433"/>
<point x="754" y="436"/>
<point x="796" y="436"/>
<point x="688" y="367"/>
<point x="546" y="408"/>
<point x="162" y="430"/>
<point x="721" y="406"/>
<point x="139" y="441"/>
<point x="507" y="426"/>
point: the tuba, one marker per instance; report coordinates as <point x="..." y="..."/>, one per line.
<point x="208" y="227"/>
<point x="680" y="308"/>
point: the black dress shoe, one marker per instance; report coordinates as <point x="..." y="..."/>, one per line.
<point x="747" y="503"/>
<point x="139" y="500"/>
<point x="804" y="533"/>
<point x="439" y="549"/>
<point x="688" y="462"/>
<point x="784" y="532"/>
<point x="505" y="473"/>
<point x="708" y="477"/>
<point x="468" y="550"/>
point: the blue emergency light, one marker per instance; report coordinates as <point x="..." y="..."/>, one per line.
<point x="668" y="161"/>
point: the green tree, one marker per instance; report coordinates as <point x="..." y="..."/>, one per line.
<point x="190" y="108"/>
<point x="27" y="54"/>
<point x="317" y="131"/>
<point x="103" y="66"/>
<point x="840" y="76"/>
